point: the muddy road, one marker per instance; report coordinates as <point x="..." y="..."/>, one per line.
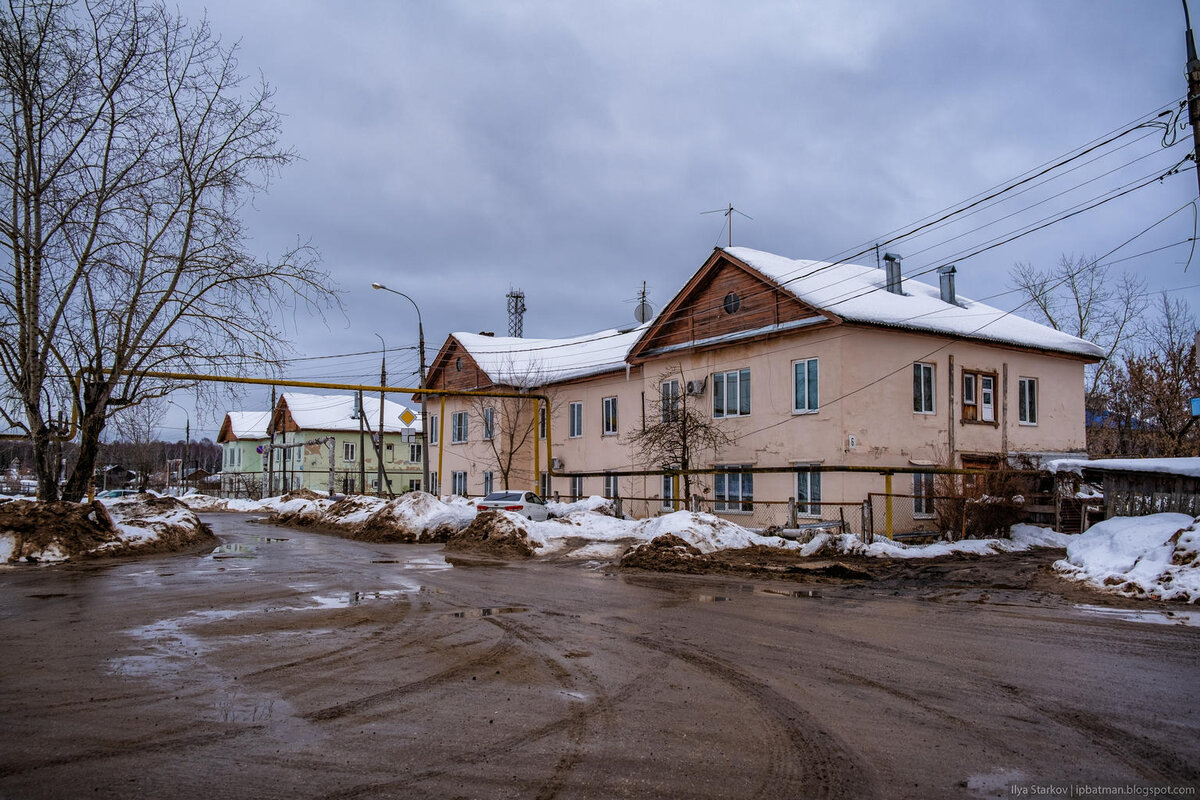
<point x="291" y="664"/>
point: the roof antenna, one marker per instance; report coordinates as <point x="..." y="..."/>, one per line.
<point x="644" y="311"/>
<point x="728" y="212"/>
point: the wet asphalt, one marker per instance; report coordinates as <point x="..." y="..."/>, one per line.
<point x="294" y="664"/>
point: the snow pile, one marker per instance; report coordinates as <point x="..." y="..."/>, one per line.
<point x="34" y="532"/>
<point x="595" y="503"/>
<point x="1189" y="467"/>
<point x="412" y="517"/>
<point x="497" y="533"/>
<point x="1023" y="537"/>
<point x="1156" y="556"/>
<point x="705" y="532"/>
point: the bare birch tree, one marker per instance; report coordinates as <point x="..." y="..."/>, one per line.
<point x="129" y="146"/>
<point x="1082" y="298"/>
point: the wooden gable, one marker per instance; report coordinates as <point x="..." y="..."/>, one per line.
<point x="281" y="419"/>
<point x="724" y="298"/>
<point x="454" y="369"/>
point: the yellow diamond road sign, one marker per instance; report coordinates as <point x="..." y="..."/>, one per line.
<point x="407" y="416"/>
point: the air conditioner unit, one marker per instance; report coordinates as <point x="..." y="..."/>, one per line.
<point x="696" y="387"/>
<point x="556" y="464"/>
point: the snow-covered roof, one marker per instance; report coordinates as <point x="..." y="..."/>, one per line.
<point x="248" y="424"/>
<point x="859" y="294"/>
<point x="511" y="361"/>
<point x="335" y="412"/>
<point x="1188" y="467"/>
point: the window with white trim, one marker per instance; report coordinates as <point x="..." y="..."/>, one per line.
<point x="978" y="396"/>
<point x="575" y="420"/>
<point x="731" y="393"/>
<point x="733" y="491"/>
<point x="349" y="451"/>
<point x="414" y="452"/>
<point x="610" y="416"/>
<point x="544" y="485"/>
<point x="808" y="493"/>
<point x="434" y="486"/>
<point x="458" y="427"/>
<point x="804" y="386"/>
<point x="576" y="488"/>
<point x="668" y="491"/>
<point x="669" y="392"/>
<point x="610" y="486"/>
<point x="489" y="424"/>
<point x="458" y="483"/>
<point x="1027" y="399"/>
<point x="923" y="386"/>
<point x="923" y="493"/>
<point x="433" y="429"/>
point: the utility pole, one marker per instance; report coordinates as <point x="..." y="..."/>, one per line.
<point x="1193" y="95"/>
<point x="270" y="454"/>
<point x="362" y="446"/>
<point x="382" y="383"/>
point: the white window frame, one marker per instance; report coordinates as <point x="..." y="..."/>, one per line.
<point x="923" y="489"/>
<point x="433" y="429"/>
<point x="541" y="421"/>
<point x="544" y="485"/>
<point x="576" y="488"/>
<point x="668" y="492"/>
<point x="727" y="501"/>
<point x="414" y="452"/>
<point x="610" y="486"/>
<point x="349" y="451"/>
<point x="489" y="424"/>
<point x="458" y="427"/>
<point x="1027" y="401"/>
<point x="731" y="388"/>
<point x="434" y="486"/>
<point x="669" y="400"/>
<point x="608" y="417"/>
<point x="923" y="401"/>
<point x="489" y="482"/>
<point x="458" y="483"/>
<point x="809" y="369"/>
<point x="808" y="492"/>
<point x="575" y="420"/>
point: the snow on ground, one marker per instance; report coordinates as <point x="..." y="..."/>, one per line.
<point x="1023" y="537"/>
<point x="1156" y="556"/>
<point x="705" y="532"/>
<point x="1171" y="466"/>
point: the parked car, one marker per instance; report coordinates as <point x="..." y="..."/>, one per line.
<point x="110" y="494"/>
<point x="527" y="504"/>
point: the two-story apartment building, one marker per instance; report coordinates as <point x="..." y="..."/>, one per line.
<point x="301" y="418"/>
<point x="799" y="363"/>
<point x="242" y="436"/>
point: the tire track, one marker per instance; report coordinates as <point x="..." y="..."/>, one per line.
<point x="819" y="765"/>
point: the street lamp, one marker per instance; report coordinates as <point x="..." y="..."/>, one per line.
<point x="424" y="417"/>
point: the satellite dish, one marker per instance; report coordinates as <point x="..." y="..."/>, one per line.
<point x="643" y="312"/>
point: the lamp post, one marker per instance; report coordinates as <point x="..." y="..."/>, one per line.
<point x="421" y="355"/>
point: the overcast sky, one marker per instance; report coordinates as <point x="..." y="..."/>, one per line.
<point x="454" y="150"/>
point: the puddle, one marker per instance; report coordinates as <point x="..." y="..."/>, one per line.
<point x="797" y="593"/>
<point x="997" y="783"/>
<point x="235" y="550"/>
<point x="268" y="539"/>
<point x="353" y="598"/>
<point x="475" y="613"/>
<point x="385" y="561"/>
<point x="1155" y="617"/>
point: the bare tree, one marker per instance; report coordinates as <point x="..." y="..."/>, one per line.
<point x="508" y="426"/>
<point x="129" y="146"/>
<point x="136" y="428"/>
<point x="1146" y="396"/>
<point x="1080" y="297"/>
<point x="677" y="432"/>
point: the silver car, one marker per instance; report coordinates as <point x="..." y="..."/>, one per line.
<point x="527" y="504"/>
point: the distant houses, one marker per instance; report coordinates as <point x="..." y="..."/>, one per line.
<point x="302" y="433"/>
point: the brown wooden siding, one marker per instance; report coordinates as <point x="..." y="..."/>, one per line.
<point x="702" y="315"/>
<point x="447" y="375"/>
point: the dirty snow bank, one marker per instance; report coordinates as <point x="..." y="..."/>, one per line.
<point x="706" y="533"/>
<point x="33" y="532"/>
<point x="1156" y="557"/>
<point x="1022" y="537"/>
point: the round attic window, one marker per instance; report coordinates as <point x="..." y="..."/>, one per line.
<point x="458" y="363"/>
<point x="732" y="302"/>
